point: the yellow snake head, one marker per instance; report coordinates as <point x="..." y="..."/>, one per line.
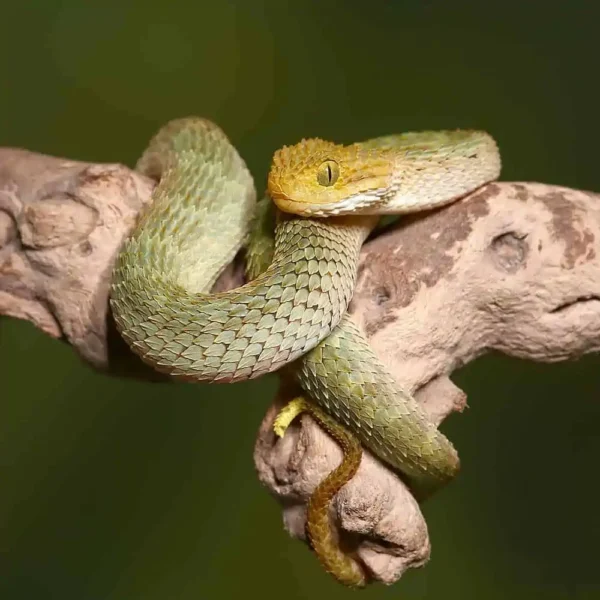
<point x="320" y="178"/>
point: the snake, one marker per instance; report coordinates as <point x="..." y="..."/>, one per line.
<point x="324" y="200"/>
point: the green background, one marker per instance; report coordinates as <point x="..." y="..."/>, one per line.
<point x="115" y="490"/>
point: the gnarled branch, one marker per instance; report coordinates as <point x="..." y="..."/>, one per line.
<point x="513" y="267"/>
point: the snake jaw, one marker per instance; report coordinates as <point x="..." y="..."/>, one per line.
<point x="357" y="205"/>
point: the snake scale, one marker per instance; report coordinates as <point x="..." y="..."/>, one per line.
<point x="291" y="315"/>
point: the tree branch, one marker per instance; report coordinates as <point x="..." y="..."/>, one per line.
<point x="513" y="267"/>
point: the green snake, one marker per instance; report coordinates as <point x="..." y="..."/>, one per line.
<point x="291" y="314"/>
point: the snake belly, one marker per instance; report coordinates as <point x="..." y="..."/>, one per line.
<point x="199" y="216"/>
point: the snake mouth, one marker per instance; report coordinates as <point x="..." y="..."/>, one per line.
<point x="359" y="204"/>
<point x="287" y="205"/>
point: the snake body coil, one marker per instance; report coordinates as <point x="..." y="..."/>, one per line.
<point x="198" y="219"/>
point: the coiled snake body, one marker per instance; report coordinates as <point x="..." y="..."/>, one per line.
<point x="329" y="198"/>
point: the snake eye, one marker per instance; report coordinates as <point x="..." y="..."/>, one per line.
<point x="328" y="173"/>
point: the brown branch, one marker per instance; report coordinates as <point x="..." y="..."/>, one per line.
<point x="514" y="267"/>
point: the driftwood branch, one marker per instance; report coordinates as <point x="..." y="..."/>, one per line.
<point x="514" y="267"/>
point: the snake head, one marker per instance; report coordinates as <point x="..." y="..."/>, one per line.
<point x="320" y="178"/>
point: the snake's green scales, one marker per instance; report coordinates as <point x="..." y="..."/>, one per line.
<point x="198" y="219"/>
<point x="329" y="198"/>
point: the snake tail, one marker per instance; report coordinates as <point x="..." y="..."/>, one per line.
<point x="321" y="533"/>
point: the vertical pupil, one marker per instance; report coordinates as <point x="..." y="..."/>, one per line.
<point x="327" y="173"/>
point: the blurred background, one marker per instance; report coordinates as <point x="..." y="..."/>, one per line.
<point x="118" y="490"/>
